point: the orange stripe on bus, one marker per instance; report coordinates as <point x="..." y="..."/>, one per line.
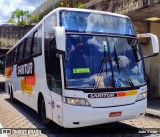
<point x="121" y="94"/>
<point x="8" y="71"/>
<point x="26" y="88"/>
<point x="131" y="93"/>
<point x="30" y="80"/>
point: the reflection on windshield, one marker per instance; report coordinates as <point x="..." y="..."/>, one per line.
<point x="85" y="66"/>
<point x="95" y="22"/>
<point x="129" y="67"/>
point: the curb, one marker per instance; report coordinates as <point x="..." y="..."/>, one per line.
<point x="153" y="113"/>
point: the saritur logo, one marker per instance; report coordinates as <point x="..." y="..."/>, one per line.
<point x="102" y="95"/>
<point x="26" y="68"/>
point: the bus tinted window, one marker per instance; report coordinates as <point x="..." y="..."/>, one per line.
<point x="7" y="60"/>
<point x="39" y="40"/>
<point x="12" y="57"/>
<point x="48" y="29"/>
<point x="96" y="22"/>
<point x="37" y="45"/>
<point x="15" y="55"/>
<point x="34" y="47"/>
<point x="52" y="62"/>
<point x="28" y="44"/>
<point x="20" y="51"/>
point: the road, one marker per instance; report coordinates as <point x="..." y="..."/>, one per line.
<point x="20" y="116"/>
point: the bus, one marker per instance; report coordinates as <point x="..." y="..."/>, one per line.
<point x="80" y="67"/>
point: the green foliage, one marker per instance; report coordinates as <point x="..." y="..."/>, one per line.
<point x="34" y="18"/>
<point x="73" y="3"/>
<point x="11" y="21"/>
<point x="22" y="22"/>
<point x="80" y="5"/>
<point x="19" y="16"/>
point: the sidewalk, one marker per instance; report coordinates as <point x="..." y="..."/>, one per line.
<point x="153" y="108"/>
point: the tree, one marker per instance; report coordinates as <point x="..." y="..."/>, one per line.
<point x="24" y="14"/>
<point x="19" y="15"/>
<point x="11" y="21"/>
<point x="80" y="5"/>
<point x="34" y="18"/>
<point x="16" y="14"/>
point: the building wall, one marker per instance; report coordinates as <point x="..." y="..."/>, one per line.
<point x="120" y="6"/>
<point x="130" y="8"/>
<point x="10" y="35"/>
<point x="155" y="65"/>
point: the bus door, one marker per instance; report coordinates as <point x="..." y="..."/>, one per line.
<point x="56" y="89"/>
<point x="53" y="59"/>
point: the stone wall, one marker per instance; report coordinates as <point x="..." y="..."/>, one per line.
<point x="10" y="35"/>
<point x="125" y="7"/>
<point x="120" y="6"/>
<point x="44" y="8"/>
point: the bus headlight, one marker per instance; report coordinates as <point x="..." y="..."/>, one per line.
<point x="141" y="96"/>
<point x="76" y="101"/>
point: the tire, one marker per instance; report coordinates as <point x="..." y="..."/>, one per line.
<point x="44" y="119"/>
<point x="13" y="100"/>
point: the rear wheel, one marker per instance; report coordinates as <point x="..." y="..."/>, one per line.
<point x="44" y="119"/>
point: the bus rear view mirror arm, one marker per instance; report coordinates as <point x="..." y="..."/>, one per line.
<point x="149" y="56"/>
<point x="154" y="42"/>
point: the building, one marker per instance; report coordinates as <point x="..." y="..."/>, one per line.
<point x="145" y="15"/>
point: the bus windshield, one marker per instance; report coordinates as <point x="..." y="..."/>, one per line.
<point x="102" y="62"/>
<point x="75" y="21"/>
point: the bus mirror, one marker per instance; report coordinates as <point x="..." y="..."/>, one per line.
<point x="154" y="42"/>
<point x="60" y="38"/>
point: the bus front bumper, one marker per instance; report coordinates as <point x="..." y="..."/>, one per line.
<point x="80" y="116"/>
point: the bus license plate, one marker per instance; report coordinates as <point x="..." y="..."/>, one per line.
<point x="115" y="114"/>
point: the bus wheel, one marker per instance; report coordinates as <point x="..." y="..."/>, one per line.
<point x="44" y="119"/>
<point x="11" y="96"/>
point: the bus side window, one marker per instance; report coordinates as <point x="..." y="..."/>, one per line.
<point x="51" y="61"/>
<point x="9" y="59"/>
<point x="27" y="47"/>
<point x="15" y="55"/>
<point x="12" y="57"/>
<point x="53" y="72"/>
<point x="20" y="51"/>
<point x="37" y="41"/>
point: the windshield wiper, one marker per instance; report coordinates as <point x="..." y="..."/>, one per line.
<point x="119" y="65"/>
<point x="100" y="74"/>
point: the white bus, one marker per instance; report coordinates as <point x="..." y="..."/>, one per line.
<point x="80" y="67"/>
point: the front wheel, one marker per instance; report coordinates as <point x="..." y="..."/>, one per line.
<point x="44" y="119"/>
